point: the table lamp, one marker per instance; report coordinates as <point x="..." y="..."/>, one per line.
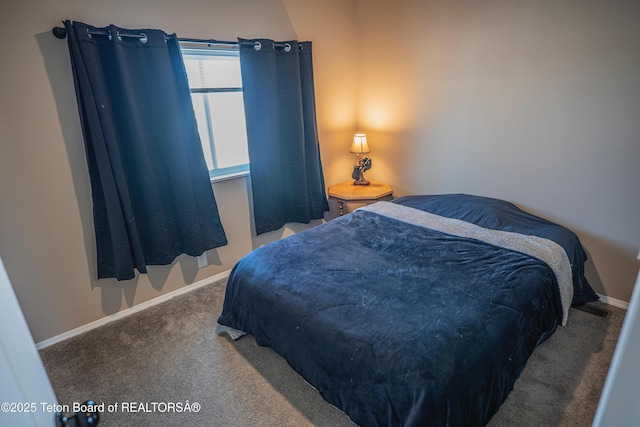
<point x="360" y="147"/>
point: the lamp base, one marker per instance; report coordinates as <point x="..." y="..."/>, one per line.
<point x="361" y="180"/>
<point x="364" y="163"/>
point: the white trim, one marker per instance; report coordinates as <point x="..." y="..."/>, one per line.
<point x="131" y="310"/>
<point x="22" y="375"/>
<point x="228" y="176"/>
<point x="614" y="302"/>
<point x="618" y="403"/>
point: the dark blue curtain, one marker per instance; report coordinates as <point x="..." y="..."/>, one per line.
<point x="152" y="198"/>
<point x="286" y="171"/>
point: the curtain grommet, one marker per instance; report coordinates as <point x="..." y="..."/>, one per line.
<point x="143" y="38"/>
<point x="287" y="47"/>
<point x="257" y="45"/>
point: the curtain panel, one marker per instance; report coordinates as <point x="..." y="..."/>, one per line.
<point x="152" y="197"/>
<point x="286" y="171"/>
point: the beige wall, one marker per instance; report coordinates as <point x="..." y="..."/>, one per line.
<point x="535" y="102"/>
<point x="46" y="228"/>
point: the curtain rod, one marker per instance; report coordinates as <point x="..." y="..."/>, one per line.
<point x="61" y="33"/>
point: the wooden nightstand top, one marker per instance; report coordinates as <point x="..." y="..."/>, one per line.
<point x="348" y="191"/>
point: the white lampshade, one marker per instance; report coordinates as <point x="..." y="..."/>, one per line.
<point x="359" y="145"/>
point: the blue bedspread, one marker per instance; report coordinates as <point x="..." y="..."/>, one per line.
<point x="397" y="324"/>
<point x="501" y="215"/>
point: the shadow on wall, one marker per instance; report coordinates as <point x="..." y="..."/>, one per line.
<point x="609" y="259"/>
<point x="114" y="291"/>
<point x="288" y="229"/>
<point x="55" y="53"/>
<point x="591" y="273"/>
<point x="605" y="258"/>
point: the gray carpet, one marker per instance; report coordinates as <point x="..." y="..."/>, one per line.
<point x="169" y="354"/>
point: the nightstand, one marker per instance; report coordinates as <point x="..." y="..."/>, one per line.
<point x="364" y="194"/>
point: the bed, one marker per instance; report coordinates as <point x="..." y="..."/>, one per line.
<point x="417" y="312"/>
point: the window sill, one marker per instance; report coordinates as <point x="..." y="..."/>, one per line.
<point x="228" y="176"/>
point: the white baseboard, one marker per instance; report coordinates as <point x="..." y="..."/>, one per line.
<point x="131" y="310"/>
<point x="614" y="302"/>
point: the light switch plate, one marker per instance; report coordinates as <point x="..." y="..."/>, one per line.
<point x="202" y="260"/>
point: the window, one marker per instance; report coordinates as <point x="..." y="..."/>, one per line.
<point x="216" y="91"/>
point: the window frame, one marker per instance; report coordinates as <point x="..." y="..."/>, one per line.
<point x="189" y="49"/>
